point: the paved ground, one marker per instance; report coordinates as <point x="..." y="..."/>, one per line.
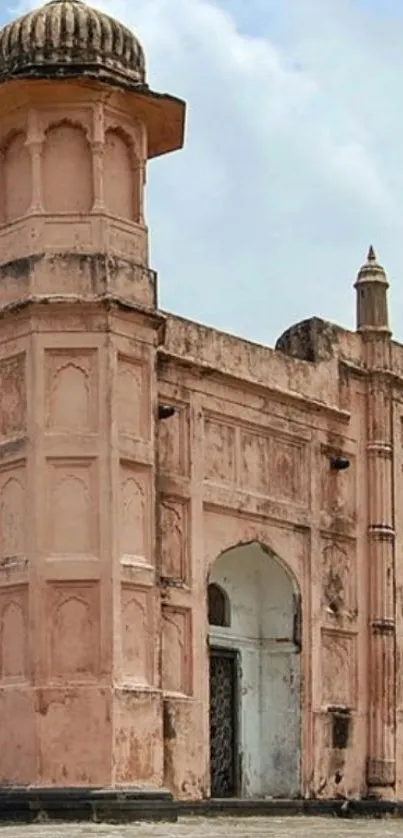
<point x="293" y="827"/>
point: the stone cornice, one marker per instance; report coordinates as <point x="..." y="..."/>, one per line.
<point x="362" y="372"/>
<point x="306" y="403"/>
<point x="108" y="303"/>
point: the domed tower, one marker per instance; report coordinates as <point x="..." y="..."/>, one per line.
<point x="80" y="703"/>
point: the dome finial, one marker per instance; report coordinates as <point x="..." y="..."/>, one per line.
<point x="371" y="254"/>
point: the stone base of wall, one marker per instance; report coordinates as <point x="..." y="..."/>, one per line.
<point x="342" y="808"/>
<point x="34" y="805"/>
<point x="30" y="805"/>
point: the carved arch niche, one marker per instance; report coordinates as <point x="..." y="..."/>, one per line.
<point x="122" y="175"/>
<point x="67" y="169"/>
<point x="16" y="178"/>
<point x="13" y="633"/>
<point x="73" y="613"/>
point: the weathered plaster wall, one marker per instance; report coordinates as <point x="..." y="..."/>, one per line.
<point x="251" y="362"/>
<point x="239" y="462"/>
<point x="79" y="609"/>
<point x="247" y="458"/>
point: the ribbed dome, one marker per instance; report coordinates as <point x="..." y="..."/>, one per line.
<point x="68" y="39"/>
<point x="371" y="271"/>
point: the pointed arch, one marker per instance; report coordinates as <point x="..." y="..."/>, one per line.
<point x="265" y="636"/>
<point x="121" y="175"/>
<point x="67" y="169"/>
<point x="267" y="549"/>
<point x="16" y="177"/>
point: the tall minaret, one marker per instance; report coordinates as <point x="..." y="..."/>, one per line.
<point x="373" y="324"/>
<point x="80" y="697"/>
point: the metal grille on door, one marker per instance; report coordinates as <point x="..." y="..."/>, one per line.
<point x="222" y="723"/>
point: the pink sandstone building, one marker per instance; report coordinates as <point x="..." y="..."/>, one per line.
<point x="201" y="552"/>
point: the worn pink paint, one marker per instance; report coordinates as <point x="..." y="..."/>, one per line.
<point x="112" y="519"/>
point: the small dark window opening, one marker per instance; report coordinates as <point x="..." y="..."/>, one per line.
<point x="218" y="606"/>
<point x="297" y="622"/>
<point x="340" y="728"/>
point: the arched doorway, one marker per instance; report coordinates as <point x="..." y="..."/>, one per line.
<point x="254" y="638"/>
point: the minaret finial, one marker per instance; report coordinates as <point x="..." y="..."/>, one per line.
<point x="371" y="254"/>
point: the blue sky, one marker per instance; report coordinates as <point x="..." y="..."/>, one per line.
<point x="293" y="163"/>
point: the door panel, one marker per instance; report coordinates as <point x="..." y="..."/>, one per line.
<point x="223" y="715"/>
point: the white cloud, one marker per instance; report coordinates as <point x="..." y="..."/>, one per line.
<point x="294" y="156"/>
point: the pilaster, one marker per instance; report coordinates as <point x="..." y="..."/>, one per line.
<point x="137" y="697"/>
<point x="34" y="143"/>
<point x="381" y="773"/>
